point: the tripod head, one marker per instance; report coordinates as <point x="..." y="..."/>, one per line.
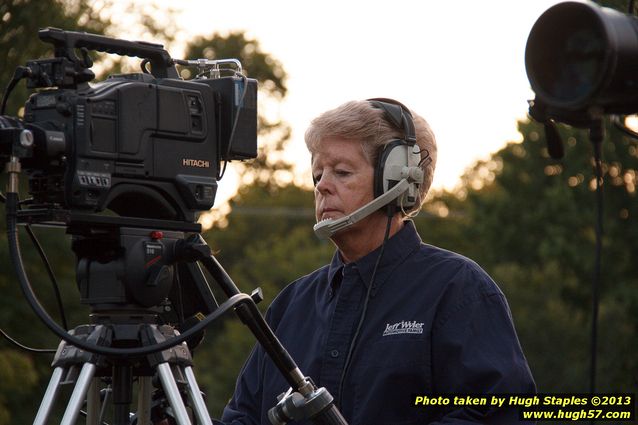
<point x="132" y="266"/>
<point x="126" y="266"/>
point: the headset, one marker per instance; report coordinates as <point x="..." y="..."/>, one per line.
<point x="397" y="176"/>
<point x="398" y="154"/>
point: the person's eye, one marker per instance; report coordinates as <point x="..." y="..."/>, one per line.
<point x="316" y="178"/>
<point x="343" y="173"/>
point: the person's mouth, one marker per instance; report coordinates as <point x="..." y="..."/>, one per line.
<point x="329" y="213"/>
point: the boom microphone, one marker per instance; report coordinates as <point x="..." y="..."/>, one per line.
<point x="328" y="227"/>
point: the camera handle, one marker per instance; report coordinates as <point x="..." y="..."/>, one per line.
<point x="65" y="43"/>
<point x="303" y="400"/>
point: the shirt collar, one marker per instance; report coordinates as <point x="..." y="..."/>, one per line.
<point x="397" y="248"/>
<point x="335" y="273"/>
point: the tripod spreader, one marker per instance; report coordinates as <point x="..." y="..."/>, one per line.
<point x="318" y="405"/>
<point x="303" y="400"/>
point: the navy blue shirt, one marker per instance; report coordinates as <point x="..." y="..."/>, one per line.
<point x="436" y="323"/>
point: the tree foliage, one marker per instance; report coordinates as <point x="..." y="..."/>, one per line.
<point x="21" y="20"/>
<point x="527" y="219"/>
<point x="31" y="372"/>
<point x="258" y="64"/>
<point x="271" y="76"/>
<point x="23" y="375"/>
<point x="267" y="243"/>
<point x="532" y="223"/>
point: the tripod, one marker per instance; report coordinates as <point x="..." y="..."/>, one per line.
<point x="126" y="275"/>
<point x="126" y="272"/>
<point x="172" y="367"/>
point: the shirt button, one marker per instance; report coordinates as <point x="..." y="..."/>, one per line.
<point x="334" y="353"/>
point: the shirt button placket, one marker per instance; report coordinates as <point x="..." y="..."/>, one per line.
<point x="338" y="341"/>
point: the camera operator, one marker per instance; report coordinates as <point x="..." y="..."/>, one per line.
<point x="390" y="317"/>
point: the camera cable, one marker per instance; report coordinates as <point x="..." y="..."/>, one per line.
<point x="27" y="289"/>
<point x="56" y="289"/>
<point x="49" y="269"/>
<point x="20" y="73"/>
<point x="24" y="347"/>
<point x="364" y="310"/>
<point x="596" y="136"/>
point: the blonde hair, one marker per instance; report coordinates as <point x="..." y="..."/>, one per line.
<point x="360" y="120"/>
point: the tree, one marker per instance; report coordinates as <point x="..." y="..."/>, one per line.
<point x="266" y="239"/>
<point x="267" y="243"/>
<point x="532" y="223"/>
<point x="23" y="376"/>
<point x="21" y="21"/>
<point x="270" y="74"/>
<point x="18" y="34"/>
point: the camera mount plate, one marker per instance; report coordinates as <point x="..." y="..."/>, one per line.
<point x="80" y="223"/>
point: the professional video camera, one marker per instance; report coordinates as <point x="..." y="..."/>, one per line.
<point x="144" y="145"/>
<point x="125" y="165"/>
<point x="581" y="63"/>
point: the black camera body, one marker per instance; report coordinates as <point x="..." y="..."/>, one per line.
<point x="142" y="145"/>
<point x="581" y="62"/>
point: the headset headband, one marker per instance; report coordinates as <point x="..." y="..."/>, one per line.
<point x="398" y="114"/>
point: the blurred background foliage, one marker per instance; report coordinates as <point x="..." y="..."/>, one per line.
<point x="525" y="218"/>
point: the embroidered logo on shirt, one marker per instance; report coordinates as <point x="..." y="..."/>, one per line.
<point x="403" y="327"/>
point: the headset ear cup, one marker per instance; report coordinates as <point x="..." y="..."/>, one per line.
<point x="378" y="172"/>
<point x="396" y="154"/>
<point x="381" y="173"/>
<point x="395" y="157"/>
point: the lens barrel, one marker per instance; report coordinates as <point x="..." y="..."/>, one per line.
<point x="580" y="55"/>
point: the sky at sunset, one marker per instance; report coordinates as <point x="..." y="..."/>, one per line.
<point x="459" y="64"/>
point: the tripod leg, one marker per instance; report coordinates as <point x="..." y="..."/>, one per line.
<point x="79" y="393"/>
<point x="172" y="392"/>
<point x="144" y="401"/>
<point x="93" y="403"/>
<point x="49" y="397"/>
<point x="122" y="394"/>
<point x="203" y="418"/>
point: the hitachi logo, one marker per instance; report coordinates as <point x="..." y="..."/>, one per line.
<point x="199" y="163"/>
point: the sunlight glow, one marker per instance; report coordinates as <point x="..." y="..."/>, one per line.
<point x="459" y="64"/>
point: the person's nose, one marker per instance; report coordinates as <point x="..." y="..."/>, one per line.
<point x="325" y="184"/>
